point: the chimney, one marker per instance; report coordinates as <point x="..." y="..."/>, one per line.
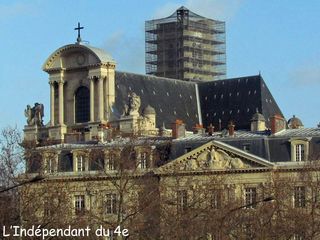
<point x="198" y="129"/>
<point x="178" y="129"/>
<point x="231" y="128"/>
<point x="210" y="129"/>
<point x="278" y="123"/>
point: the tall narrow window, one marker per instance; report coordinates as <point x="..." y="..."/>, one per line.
<point x="216" y="197"/>
<point x="299" y="152"/>
<point x="111" y="203"/>
<point x="50" y="165"/>
<point x="80" y="163"/>
<point x="299" y="198"/>
<point x="79" y="204"/>
<point x="250" y="197"/>
<point x="182" y="200"/>
<point x="111" y="161"/>
<point x="82" y="105"/>
<point x="143" y="160"/>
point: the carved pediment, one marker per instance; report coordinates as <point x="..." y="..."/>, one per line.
<point x="216" y="156"/>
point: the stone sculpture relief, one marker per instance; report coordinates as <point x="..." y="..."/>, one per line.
<point x="34" y="114"/>
<point x="214" y="159"/>
<point x="133" y="106"/>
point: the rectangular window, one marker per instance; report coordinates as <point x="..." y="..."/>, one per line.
<point x="299" y="197"/>
<point x="80" y="164"/>
<point x="246" y="147"/>
<point x="79" y="204"/>
<point x="182" y="200"/>
<point x="143" y="160"/>
<point x="111" y="203"/>
<point x="250" y="197"/>
<point x="111" y="162"/>
<point x="216" y="197"/>
<point x="50" y="166"/>
<point x="297" y="237"/>
<point x="47" y="207"/>
<point x="299" y="152"/>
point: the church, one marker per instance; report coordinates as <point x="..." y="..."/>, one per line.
<point x="164" y="157"/>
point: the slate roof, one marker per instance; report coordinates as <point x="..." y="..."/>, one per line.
<point x="275" y="148"/>
<point x="172" y="99"/>
<point x="236" y="99"/>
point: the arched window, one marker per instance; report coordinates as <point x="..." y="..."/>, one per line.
<point x="82" y="105"/>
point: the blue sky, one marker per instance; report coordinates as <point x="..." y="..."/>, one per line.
<point x="279" y="38"/>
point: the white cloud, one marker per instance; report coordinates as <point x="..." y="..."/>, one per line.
<point x="216" y="9"/>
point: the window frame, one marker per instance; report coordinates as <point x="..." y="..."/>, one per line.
<point x="299" y="197"/>
<point x="79" y="204"/>
<point x="250" y="197"/>
<point x="111" y="200"/>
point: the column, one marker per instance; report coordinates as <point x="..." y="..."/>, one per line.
<point x="61" y="109"/>
<point x="51" y="103"/>
<point x="91" y="99"/>
<point x="101" y="108"/>
<point x="106" y="101"/>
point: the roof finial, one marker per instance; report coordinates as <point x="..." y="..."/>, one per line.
<point x="78" y="29"/>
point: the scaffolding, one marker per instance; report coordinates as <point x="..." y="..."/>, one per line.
<point x="186" y="46"/>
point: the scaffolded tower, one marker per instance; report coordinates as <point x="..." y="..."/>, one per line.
<point x="186" y="46"/>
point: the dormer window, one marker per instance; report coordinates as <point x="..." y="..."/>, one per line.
<point x="143" y="160"/>
<point x="299" y="152"/>
<point x="299" y="149"/>
<point x="80" y="163"/>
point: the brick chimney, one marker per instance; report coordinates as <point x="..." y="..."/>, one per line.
<point x="198" y="129"/>
<point x="278" y="123"/>
<point x="178" y="129"/>
<point x="210" y="129"/>
<point x="231" y="128"/>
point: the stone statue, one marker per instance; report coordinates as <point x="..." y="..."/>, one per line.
<point x="34" y="115"/>
<point x="133" y="105"/>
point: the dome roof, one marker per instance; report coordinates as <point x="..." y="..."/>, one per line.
<point x="294" y="122"/>
<point x="258" y="117"/>
<point x="99" y="56"/>
<point x="149" y="110"/>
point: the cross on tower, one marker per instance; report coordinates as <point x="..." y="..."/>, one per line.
<point x="78" y="29"/>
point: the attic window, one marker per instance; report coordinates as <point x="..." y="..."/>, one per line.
<point x="188" y="114"/>
<point x="255" y="91"/>
<point x="238" y="111"/>
<point x="230" y="112"/>
<point x="299" y="149"/>
<point x="141" y="91"/>
<point x="154" y="93"/>
<point x="222" y="112"/>
<point x="190" y="97"/>
<point x="207" y="115"/>
<point x="118" y="86"/>
<point x="215" y="96"/>
<point x="206" y="98"/>
<point x="239" y="80"/>
<point x="230" y="94"/>
<point x="237" y="93"/>
<point x="266" y="100"/>
<point x="214" y="114"/>
<point x="160" y="110"/>
<point x="130" y="88"/>
<point x="246" y="147"/>
<point x="221" y="95"/>
<point x="270" y="100"/>
<point x="249" y="92"/>
<point x="174" y="112"/>
<point x="167" y="94"/>
<point x="248" y="110"/>
<point x="180" y="95"/>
